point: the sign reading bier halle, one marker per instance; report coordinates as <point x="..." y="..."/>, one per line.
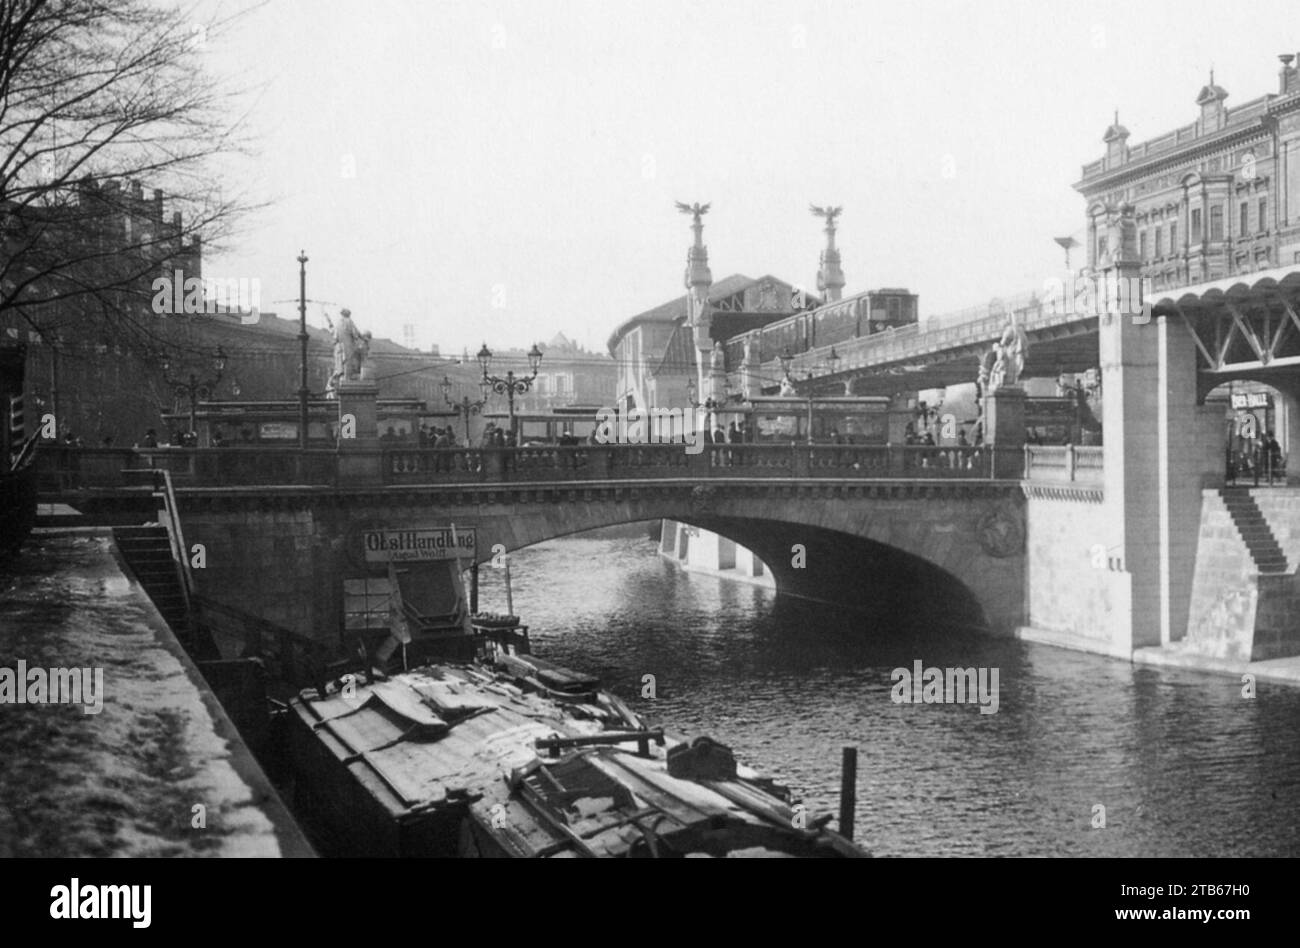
<point x="420" y="543"/>
<point x="1244" y="401"/>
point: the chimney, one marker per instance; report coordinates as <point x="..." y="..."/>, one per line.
<point x="1287" y="76"/>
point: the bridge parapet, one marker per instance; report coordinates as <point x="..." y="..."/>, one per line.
<point x="1072" y="463"/>
<point x="71" y="469"/>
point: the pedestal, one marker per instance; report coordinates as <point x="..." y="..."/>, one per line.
<point x="360" y="458"/>
<point x="1004" y="430"/>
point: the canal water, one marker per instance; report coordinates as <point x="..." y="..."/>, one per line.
<point x="1181" y="762"/>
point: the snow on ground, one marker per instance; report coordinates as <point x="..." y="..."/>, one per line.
<point x="123" y="782"/>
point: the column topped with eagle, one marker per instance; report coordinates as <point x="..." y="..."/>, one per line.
<point x="698" y="281"/>
<point x="830" y="278"/>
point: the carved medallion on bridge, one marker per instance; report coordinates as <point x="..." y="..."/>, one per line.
<point x="702" y="499"/>
<point x="1001" y="532"/>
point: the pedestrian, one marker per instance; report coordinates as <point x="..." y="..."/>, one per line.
<point x="440" y="443"/>
<point x="1272" y="455"/>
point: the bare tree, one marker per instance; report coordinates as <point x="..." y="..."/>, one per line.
<point x="97" y="96"/>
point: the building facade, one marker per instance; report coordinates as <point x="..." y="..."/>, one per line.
<point x="1215" y="198"/>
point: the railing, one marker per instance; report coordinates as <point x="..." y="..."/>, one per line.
<point x="66" y="469"/>
<point x="1067" y="463"/>
<point x="290" y="656"/>
<point x="171" y="519"/>
<point x="620" y="462"/>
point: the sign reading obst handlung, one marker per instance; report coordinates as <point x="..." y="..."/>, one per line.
<point x="427" y="543"/>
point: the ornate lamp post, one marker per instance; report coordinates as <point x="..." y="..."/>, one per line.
<point x="193" y="387"/>
<point x="465" y="406"/>
<point x="509" y="386"/>
<point x="302" y="342"/>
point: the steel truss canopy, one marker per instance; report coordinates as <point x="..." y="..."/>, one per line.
<point x="1243" y="326"/>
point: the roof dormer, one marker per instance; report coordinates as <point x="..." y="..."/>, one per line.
<point x="1210" y="99"/>
<point x="1116" y="140"/>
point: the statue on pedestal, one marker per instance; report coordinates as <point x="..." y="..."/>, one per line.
<point x="350" y="349"/>
<point x="1008" y="358"/>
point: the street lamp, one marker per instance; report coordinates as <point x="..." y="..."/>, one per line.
<point x="465" y="406"/>
<point x="193" y="387"/>
<point x="509" y="385"/>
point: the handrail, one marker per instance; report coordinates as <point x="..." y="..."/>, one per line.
<point x="180" y="552"/>
<point x="262" y="630"/>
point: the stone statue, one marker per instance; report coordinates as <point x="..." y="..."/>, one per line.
<point x="351" y="348"/>
<point x="696" y="210"/>
<point x="360" y="352"/>
<point x="717" y="361"/>
<point x="1008" y="357"/>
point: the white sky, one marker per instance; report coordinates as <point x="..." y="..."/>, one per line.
<point x="516" y="163"/>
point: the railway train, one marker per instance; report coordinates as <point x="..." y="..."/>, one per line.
<point x="830" y="324"/>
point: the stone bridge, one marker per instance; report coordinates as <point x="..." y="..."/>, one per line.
<point x="951" y="550"/>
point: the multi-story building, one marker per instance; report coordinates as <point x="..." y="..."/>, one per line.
<point x="1217" y="197"/>
<point x="568" y="375"/>
<point x="656" y="352"/>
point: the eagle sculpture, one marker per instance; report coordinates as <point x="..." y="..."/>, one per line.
<point x="697" y="209"/>
<point x="830" y="213"/>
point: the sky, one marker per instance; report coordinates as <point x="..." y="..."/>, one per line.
<point x="503" y="171"/>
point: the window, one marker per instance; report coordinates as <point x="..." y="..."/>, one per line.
<point x="1261" y="224"/>
<point x="1216" y="223"/>
<point x="1159" y="233"/>
<point x="1101" y="249"/>
<point x="1173" y="237"/>
<point x="1142" y="244"/>
<point x="1244" y="229"/>
<point x="365" y="603"/>
<point x="893" y="308"/>
<point x="1196" y="225"/>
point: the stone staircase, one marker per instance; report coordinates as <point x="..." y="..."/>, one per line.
<point x="147" y="551"/>
<point x="1254" y="529"/>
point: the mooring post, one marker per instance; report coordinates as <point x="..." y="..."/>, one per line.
<point x="848" y="791"/>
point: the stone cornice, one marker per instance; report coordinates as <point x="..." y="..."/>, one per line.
<point x="1125" y="173"/>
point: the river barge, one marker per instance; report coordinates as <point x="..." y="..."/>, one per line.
<point x="512" y="756"/>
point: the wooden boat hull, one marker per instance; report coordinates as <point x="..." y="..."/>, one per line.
<point x="469" y="760"/>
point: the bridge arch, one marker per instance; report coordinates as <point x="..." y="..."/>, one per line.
<point x="955" y="554"/>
